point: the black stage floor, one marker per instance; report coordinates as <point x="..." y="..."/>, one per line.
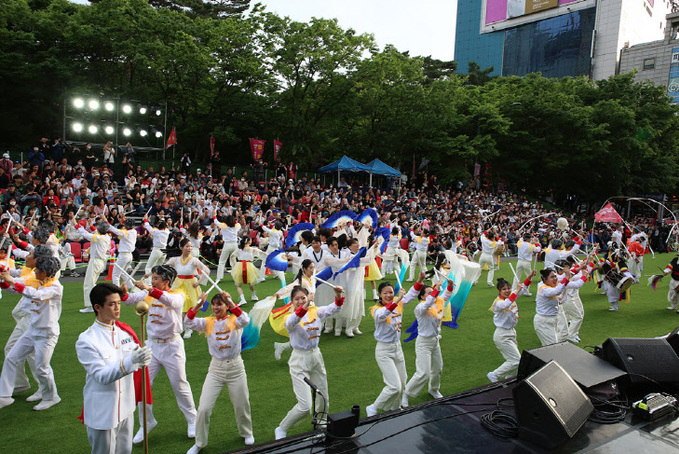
<point x="452" y="424"/>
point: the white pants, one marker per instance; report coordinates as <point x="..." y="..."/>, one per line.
<point x="390" y="359"/>
<point x="228" y="249"/>
<point x="67" y="262"/>
<point x="306" y="363"/>
<point x="419" y="259"/>
<point x="172" y="357"/>
<point x="488" y="259"/>
<point x="21" y="381"/>
<point x="575" y="313"/>
<point x="42" y="346"/>
<point x="505" y="341"/>
<point x="561" y="325"/>
<point x="124" y="259"/>
<point x="545" y="328"/>
<point x="232" y="374"/>
<point x="389" y="258"/>
<point x="672" y="294"/>
<point x="157" y="257"/>
<point x="523" y="268"/>
<point x="94" y="269"/>
<point x="114" y="441"/>
<point x="428" y="366"/>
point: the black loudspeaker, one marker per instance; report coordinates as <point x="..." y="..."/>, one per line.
<point x="586" y="369"/>
<point x="550" y="407"/>
<point x="648" y="362"/>
<point x="673" y="340"/>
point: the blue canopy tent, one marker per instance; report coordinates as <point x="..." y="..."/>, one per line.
<point x="344" y="164"/>
<point x="378" y="167"/>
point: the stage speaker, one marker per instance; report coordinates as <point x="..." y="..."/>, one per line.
<point x="586" y="369"/>
<point x="648" y="362"/>
<point x="550" y="407"/>
<point x="673" y="340"/>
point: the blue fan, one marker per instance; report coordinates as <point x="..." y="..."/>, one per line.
<point x="276" y="261"/>
<point x="325" y="274"/>
<point x="355" y="262"/>
<point x="368" y="213"/>
<point x="384" y="232"/>
<point x="341" y="217"/>
<point x="295" y="233"/>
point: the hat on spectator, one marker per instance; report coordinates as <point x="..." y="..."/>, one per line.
<point x="5" y="155"/>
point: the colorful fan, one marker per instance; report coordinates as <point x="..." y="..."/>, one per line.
<point x="341" y="217"/>
<point x="355" y="262"/>
<point x="653" y="280"/>
<point x="258" y="315"/>
<point x="277" y="261"/>
<point x="295" y="233"/>
<point x="368" y="215"/>
<point x="464" y="273"/>
<point x="325" y="274"/>
<point x="400" y="277"/>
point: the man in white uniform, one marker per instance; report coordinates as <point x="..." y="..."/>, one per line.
<point x="100" y="245"/>
<point x="109" y="356"/>
<point x="128" y="242"/>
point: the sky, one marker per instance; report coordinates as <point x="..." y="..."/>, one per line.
<point x="424" y="27"/>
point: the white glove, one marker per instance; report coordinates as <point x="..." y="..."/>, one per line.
<point x="141" y="356"/>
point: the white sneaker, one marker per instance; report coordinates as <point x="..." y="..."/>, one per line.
<point x="195" y="449"/>
<point x="242" y="300"/>
<point x="670" y="308"/>
<point x="577" y="339"/>
<point x="492" y="377"/>
<point x="5" y="401"/>
<point x="87" y="310"/>
<point x="614" y="308"/>
<point x="357" y="331"/>
<point x="279" y="433"/>
<point x="34" y="397"/>
<point x="410" y="280"/>
<point x="404" y="401"/>
<point x="528" y="294"/>
<point x="249" y="441"/>
<point x="338" y="332"/>
<point x="489" y="284"/>
<point x="328" y="329"/>
<point x="375" y="295"/>
<point x="278" y="349"/>
<point x="435" y="394"/>
<point x="45" y="404"/>
<point x="191" y="431"/>
<point x="187" y="333"/>
<point x="349" y="332"/>
<point x="371" y="410"/>
<point x="139" y="436"/>
<point x="254" y="297"/>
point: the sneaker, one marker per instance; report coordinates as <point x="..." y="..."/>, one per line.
<point x="489" y="284"/>
<point x="528" y="294"/>
<point x="338" y="332"/>
<point x="404" y="401"/>
<point x="577" y="339"/>
<point x="195" y="449"/>
<point x="279" y="433"/>
<point x="670" y="308"/>
<point x="328" y="329"/>
<point x="410" y="280"/>
<point x="492" y="377"/>
<point x="375" y="295"/>
<point x="278" y="349"/>
<point x="435" y="394"/>
<point x="242" y="301"/>
<point x="45" y="404"/>
<point x="87" y="310"/>
<point x="254" y="297"/>
<point x="187" y="333"/>
<point x="357" y="331"/>
<point x="614" y="308"/>
<point x="249" y="441"/>
<point x="5" y="401"/>
<point x="349" y="332"/>
<point x="371" y="410"/>
<point x="34" y="397"/>
<point x="191" y="431"/>
<point x="74" y="274"/>
<point x="139" y="436"/>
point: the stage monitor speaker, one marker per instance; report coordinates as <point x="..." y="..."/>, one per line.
<point x="550" y="407"/>
<point x="586" y="369"/>
<point x="648" y="362"/>
<point x="673" y="340"/>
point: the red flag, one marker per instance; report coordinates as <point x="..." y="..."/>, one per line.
<point x="277" y="145"/>
<point x="257" y="148"/>
<point x="607" y="214"/>
<point x="172" y="140"/>
<point x="212" y="147"/>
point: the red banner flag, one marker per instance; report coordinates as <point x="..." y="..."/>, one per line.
<point x="607" y="214"/>
<point x="277" y="145"/>
<point x="212" y="147"/>
<point x="257" y="148"/>
<point x="172" y="140"/>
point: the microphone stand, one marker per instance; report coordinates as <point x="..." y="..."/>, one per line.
<point x="314" y="392"/>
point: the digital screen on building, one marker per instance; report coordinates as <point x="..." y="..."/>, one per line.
<point x="501" y="10"/>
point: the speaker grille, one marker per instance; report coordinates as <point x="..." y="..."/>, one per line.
<point x="645" y="360"/>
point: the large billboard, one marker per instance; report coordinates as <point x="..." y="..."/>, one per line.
<point x="500" y="14"/>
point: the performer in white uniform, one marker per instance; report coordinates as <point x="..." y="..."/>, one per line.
<point x="157" y="257"/>
<point x="194" y="235"/>
<point x="506" y="316"/>
<point x="419" y="258"/>
<point x="163" y="326"/>
<point x="109" y="356"/>
<point x="547" y="301"/>
<point x="229" y="230"/>
<point x="275" y="243"/>
<point x="306" y="360"/>
<point x="126" y="246"/>
<point x="45" y="293"/>
<point x="527" y="248"/>
<point x="226" y="368"/>
<point x="100" y="245"/>
<point x="390" y="256"/>
<point x="388" y="352"/>
<point x="571" y="312"/>
<point x="488" y="245"/>
<point x="243" y="271"/>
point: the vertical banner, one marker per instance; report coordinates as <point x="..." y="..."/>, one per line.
<point x="172" y="140"/>
<point x="277" y="145"/>
<point x="212" y="147"/>
<point x="477" y="170"/>
<point x="257" y="148"/>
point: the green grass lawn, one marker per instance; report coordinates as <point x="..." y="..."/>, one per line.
<point x="354" y="378"/>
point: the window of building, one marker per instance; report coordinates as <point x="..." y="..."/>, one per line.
<point x="649" y="63"/>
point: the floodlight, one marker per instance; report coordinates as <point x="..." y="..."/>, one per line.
<point x="93" y="104"/>
<point x="109" y="129"/>
<point x="78" y="103"/>
<point x="109" y="106"/>
<point x="143" y="133"/>
<point x="127" y="132"/>
<point x="77" y="127"/>
<point x="127" y="108"/>
<point x="158" y="112"/>
<point x="92" y="129"/>
<point x="142" y="110"/>
<point x="159" y="134"/>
